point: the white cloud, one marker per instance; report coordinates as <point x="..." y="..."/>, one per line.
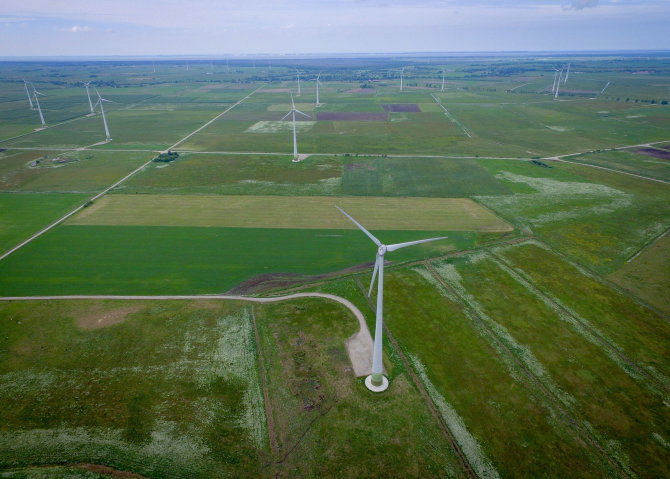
<point x="78" y="28"/>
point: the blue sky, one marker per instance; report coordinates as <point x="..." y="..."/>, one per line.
<point x="223" y="27"/>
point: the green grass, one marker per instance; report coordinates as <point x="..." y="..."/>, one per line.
<point x="326" y="419"/>
<point x="629" y="162"/>
<point x="633" y="329"/>
<point x="515" y="429"/>
<point x="22" y="215"/>
<point x="595" y="389"/>
<point x="647" y="275"/>
<point x="597" y="217"/>
<point x="86" y="172"/>
<point x="184" y="260"/>
<point x="169" y="391"/>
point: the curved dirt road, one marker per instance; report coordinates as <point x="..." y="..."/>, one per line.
<point x="359" y="346"/>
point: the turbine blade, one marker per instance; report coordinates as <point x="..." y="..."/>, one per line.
<point x="286" y="116"/>
<point x="374" y="273"/>
<point x="376" y="241"/>
<point x="97" y="92"/>
<point x="292" y="104"/>
<point x="394" y="247"/>
<point x="303" y="114"/>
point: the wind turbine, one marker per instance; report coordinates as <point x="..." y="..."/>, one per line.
<point x="30" y="100"/>
<point x="298" y="94"/>
<point x="293" y="112"/>
<point x="442" y="80"/>
<point x="567" y="74"/>
<point x="558" y="83"/>
<point x="317" y="89"/>
<point x="90" y="104"/>
<point x="376" y="381"/>
<point x="35" y="93"/>
<point x="553" y="86"/>
<point x="402" y="70"/>
<point x="102" y="110"/>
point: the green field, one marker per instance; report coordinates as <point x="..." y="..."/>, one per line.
<point x="532" y="342"/>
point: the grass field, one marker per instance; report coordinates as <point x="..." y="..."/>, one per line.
<point x="22" y="215"/>
<point x="190" y="260"/>
<point x="647" y="275"/>
<point x="310" y="212"/>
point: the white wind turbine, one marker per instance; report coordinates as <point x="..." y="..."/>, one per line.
<point x="30" y="100"/>
<point x="90" y="104"/>
<point x="567" y="74"/>
<point x="35" y="93"/>
<point x="442" y="80"/>
<point x="293" y="112"/>
<point x="553" y="86"/>
<point x="298" y="73"/>
<point x="377" y="382"/>
<point x="102" y="110"/>
<point x="402" y="71"/>
<point x="558" y="83"/>
<point x="317" y="89"/>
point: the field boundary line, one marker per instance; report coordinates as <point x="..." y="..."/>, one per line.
<point x="583" y="434"/>
<point x="272" y="433"/>
<point x="648" y="245"/>
<point x="451" y="117"/>
<point x="105" y="191"/>
<point x="610" y="169"/>
<point x="214" y="119"/>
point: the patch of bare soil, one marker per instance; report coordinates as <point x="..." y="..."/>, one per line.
<point x="351" y="116"/>
<point x="402" y="108"/>
<point x="109" y="471"/>
<point x="664" y="155"/>
<point x="270" y="281"/>
<point x="100" y="317"/>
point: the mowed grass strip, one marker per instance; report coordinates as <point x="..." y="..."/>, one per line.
<point x="435" y="214"/>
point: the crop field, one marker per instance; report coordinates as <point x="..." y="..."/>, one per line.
<point x="298" y="212"/>
<point x="531" y="342"/>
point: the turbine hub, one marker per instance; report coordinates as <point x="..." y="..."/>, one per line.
<point x="381" y="250"/>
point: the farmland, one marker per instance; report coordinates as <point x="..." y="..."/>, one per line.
<point x="533" y="341"/>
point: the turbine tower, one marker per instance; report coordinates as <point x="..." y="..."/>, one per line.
<point x="102" y="110"/>
<point x="567" y="74"/>
<point x="558" y="83"/>
<point x="376" y="381"/>
<point x="442" y="80"/>
<point x="402" y="70"/>
<point x="293" y="112"/>
<point x="30" y="100"/>
<point x="317" y="89"/>
<point x="35" y="93"/>
<point x="553" y="87"/>
<point x="90" y="104"/>
<point x="298" y="94"/>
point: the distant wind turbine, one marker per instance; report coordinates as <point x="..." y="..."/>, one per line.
<point x="567" y="74"/>
<point x="293" y="112"/>
<point x="102" y="110"/>
<point x="90" y="104"/>
<point x="317" y="89"/>
<point x="35" y="93"/>
<point x="376" y="381"/>
<point x="442" y="80"/>
<point x="30" y="100"/>
<point x="553" y="86"/>
<point x="298" y="94"/>
<point x="558" y="83"/>
<point x="402" y="70"/>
